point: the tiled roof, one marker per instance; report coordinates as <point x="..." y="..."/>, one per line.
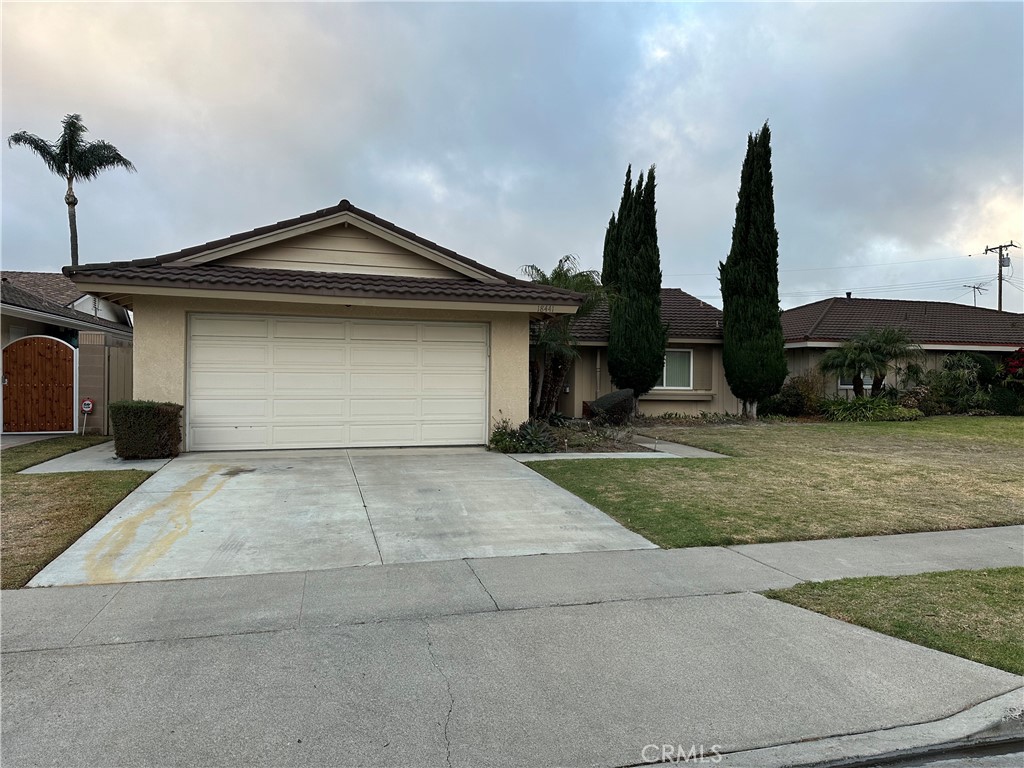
<point x="13" y="296"/>
<point x="169" y="271"/>
<point x="927" y="322"/>
<point x="52" y="286"/>
<point x="329" y="284"/>
<point x="687" y="317"/>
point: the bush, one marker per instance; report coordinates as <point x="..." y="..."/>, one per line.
<point x="987" y="370"/>
<point x="528" y="437"/>
<point x="614" y="408"/>
<point x="1005" y="401"/>
<point x="867" y="409"/>
<point x="144" y="429"/>
<point x="789" y="402"/>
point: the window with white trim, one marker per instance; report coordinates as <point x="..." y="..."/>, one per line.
<point x="846" y="382"/>
<point x="678" y="370"/>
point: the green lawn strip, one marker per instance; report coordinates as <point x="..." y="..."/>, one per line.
<point x="42" y="515"/>
<point x="974" y="614"/>
<point x="791" y="482"/>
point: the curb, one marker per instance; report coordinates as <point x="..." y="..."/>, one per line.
<point x="999" y="720"/>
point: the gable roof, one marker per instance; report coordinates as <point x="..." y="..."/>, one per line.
<point x="13" y="296"/>
<point x="927" y="322"/>
<point x="52" y="286"/>
<point x="686" y="316"/>
<point x="195" y="268"/>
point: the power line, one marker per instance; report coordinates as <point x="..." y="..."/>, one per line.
<point x="823" y="269"/>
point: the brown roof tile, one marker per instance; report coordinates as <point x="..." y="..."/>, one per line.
<point x="927" y="322"/>
<point x="12" y="295"/>
<point x="328" y="284"/>
<point x="52" y="286"/>
<point x="687" y="317"/>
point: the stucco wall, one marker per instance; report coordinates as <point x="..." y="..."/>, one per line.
<point x="161" y="343"/>
<point x="20" y="327"/>
<point x="589" y="379"/>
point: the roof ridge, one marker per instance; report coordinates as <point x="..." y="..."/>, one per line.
<point x="821" y="317"/>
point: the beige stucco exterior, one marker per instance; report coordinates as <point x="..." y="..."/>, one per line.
<point x="161" y="343"/>
<point x="588" y="379"/>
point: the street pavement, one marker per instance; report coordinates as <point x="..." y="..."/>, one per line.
<point x="598" y="658"/>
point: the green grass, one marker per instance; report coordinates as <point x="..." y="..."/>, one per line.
<point x="790" y="481"/>
<point x="42" y="515"/>
<point x="978" y="615"/>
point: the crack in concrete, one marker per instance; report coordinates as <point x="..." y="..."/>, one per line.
<point x="451" y="696"/>
<point x="481" y="583"/>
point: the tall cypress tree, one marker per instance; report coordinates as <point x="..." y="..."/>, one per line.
<point x="753" y="355"/>
<point x="636" y="335"/>
<point x="610" y="265"/>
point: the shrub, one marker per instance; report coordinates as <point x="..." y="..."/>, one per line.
<point x="144" y="429"/>
<point x="614" y="408"/>
<point x="789" y="402"/>
<point x="987" y="371"/>
<point x="1005" y="401"/>
<point x="867" y="409"/>
<point x="528" y="437"/>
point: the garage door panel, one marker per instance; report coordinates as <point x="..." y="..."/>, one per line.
<point x="223" y="409"/>
<point x="263" y="382"/>
<point x="227" y="327"/>
<point x="309" y="408"/>
<point x="222" y="438"/>
<point x="468" y="383"/>
<point x="450" y="356"/>
<point x="457" y="408"/>
<point x="467" y="333"/>
<point x="309" y="436"/>
<point x="452" y="433"/>
<point x="373" y="356"/>
<point x="322" y="355"/>
<point x="306" y="329"/>
<point x="206" y="352"/>
<point x="384" y="332"/>
<point x="229" y="382"/>
<point x="308" y="382"/>
<point x="390" y="408"/>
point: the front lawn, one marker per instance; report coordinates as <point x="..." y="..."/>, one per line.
<point x="974" y="614"/>
<point x="42" y="515"/>
<point x="790" y="481"/>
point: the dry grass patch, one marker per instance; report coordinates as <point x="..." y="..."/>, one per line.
<point x="42" y="515"/>
<point x="789" y="482"/>
<point x="974" y="614"/>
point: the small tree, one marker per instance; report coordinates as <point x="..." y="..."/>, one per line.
<point x="873" y="352"/>
<point x="849" y="361"/>
<point x="73" y="159"/>
<point x="636" y="334"/>
<point x="554" y="344"/>
<point x="753" y="354"/>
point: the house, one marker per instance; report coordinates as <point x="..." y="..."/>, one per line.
<point x="331" y="329"/>
<point x="60" y="345"/>
<point x="939" y="327"/>
<point x="693" y="379"/>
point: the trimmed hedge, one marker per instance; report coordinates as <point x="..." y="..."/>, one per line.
<point x="614" y="408"/>
<point x="144" y="429"/>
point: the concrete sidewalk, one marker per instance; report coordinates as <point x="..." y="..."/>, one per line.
<point x="576" y="659"/>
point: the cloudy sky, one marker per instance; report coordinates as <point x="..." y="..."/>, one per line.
<point x="503" y="130"/>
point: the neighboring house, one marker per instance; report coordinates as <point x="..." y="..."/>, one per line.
<point x="694" y="379"/>
<point x="331" y="329"/>
<point x="60" y="345"/>
<point x="939" y="327"/>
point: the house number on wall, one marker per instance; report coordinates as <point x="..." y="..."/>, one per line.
<point x="545" y="307"/>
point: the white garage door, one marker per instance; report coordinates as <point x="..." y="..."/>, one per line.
<point x="267" y="382"/>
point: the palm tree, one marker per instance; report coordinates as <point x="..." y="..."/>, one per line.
<point x="554" y="343"/>
<point x="73" y="158"/>
<point x="873" y="352"/>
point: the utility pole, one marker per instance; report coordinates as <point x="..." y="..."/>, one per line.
<point x="1004" y="261"/>
<point x="977" y="288"/>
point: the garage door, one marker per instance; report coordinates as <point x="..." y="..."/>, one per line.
<point x="267" y="382"/>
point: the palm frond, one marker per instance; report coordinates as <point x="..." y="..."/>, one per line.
<point x="98" y="156"/>
<point x="41" y="147"/>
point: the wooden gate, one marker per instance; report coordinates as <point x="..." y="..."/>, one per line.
<point x="39" y="385"/>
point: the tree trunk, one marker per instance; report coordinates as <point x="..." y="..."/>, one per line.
<point x="72" y="201"/>
<point x="876" y="385"/>
<point x="858" y="386"/>
<point x="535" y="405"/>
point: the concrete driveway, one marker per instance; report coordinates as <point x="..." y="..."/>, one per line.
<point x="226" y="514"/>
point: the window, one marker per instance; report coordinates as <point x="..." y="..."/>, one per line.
<point x="678" y="371"/>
